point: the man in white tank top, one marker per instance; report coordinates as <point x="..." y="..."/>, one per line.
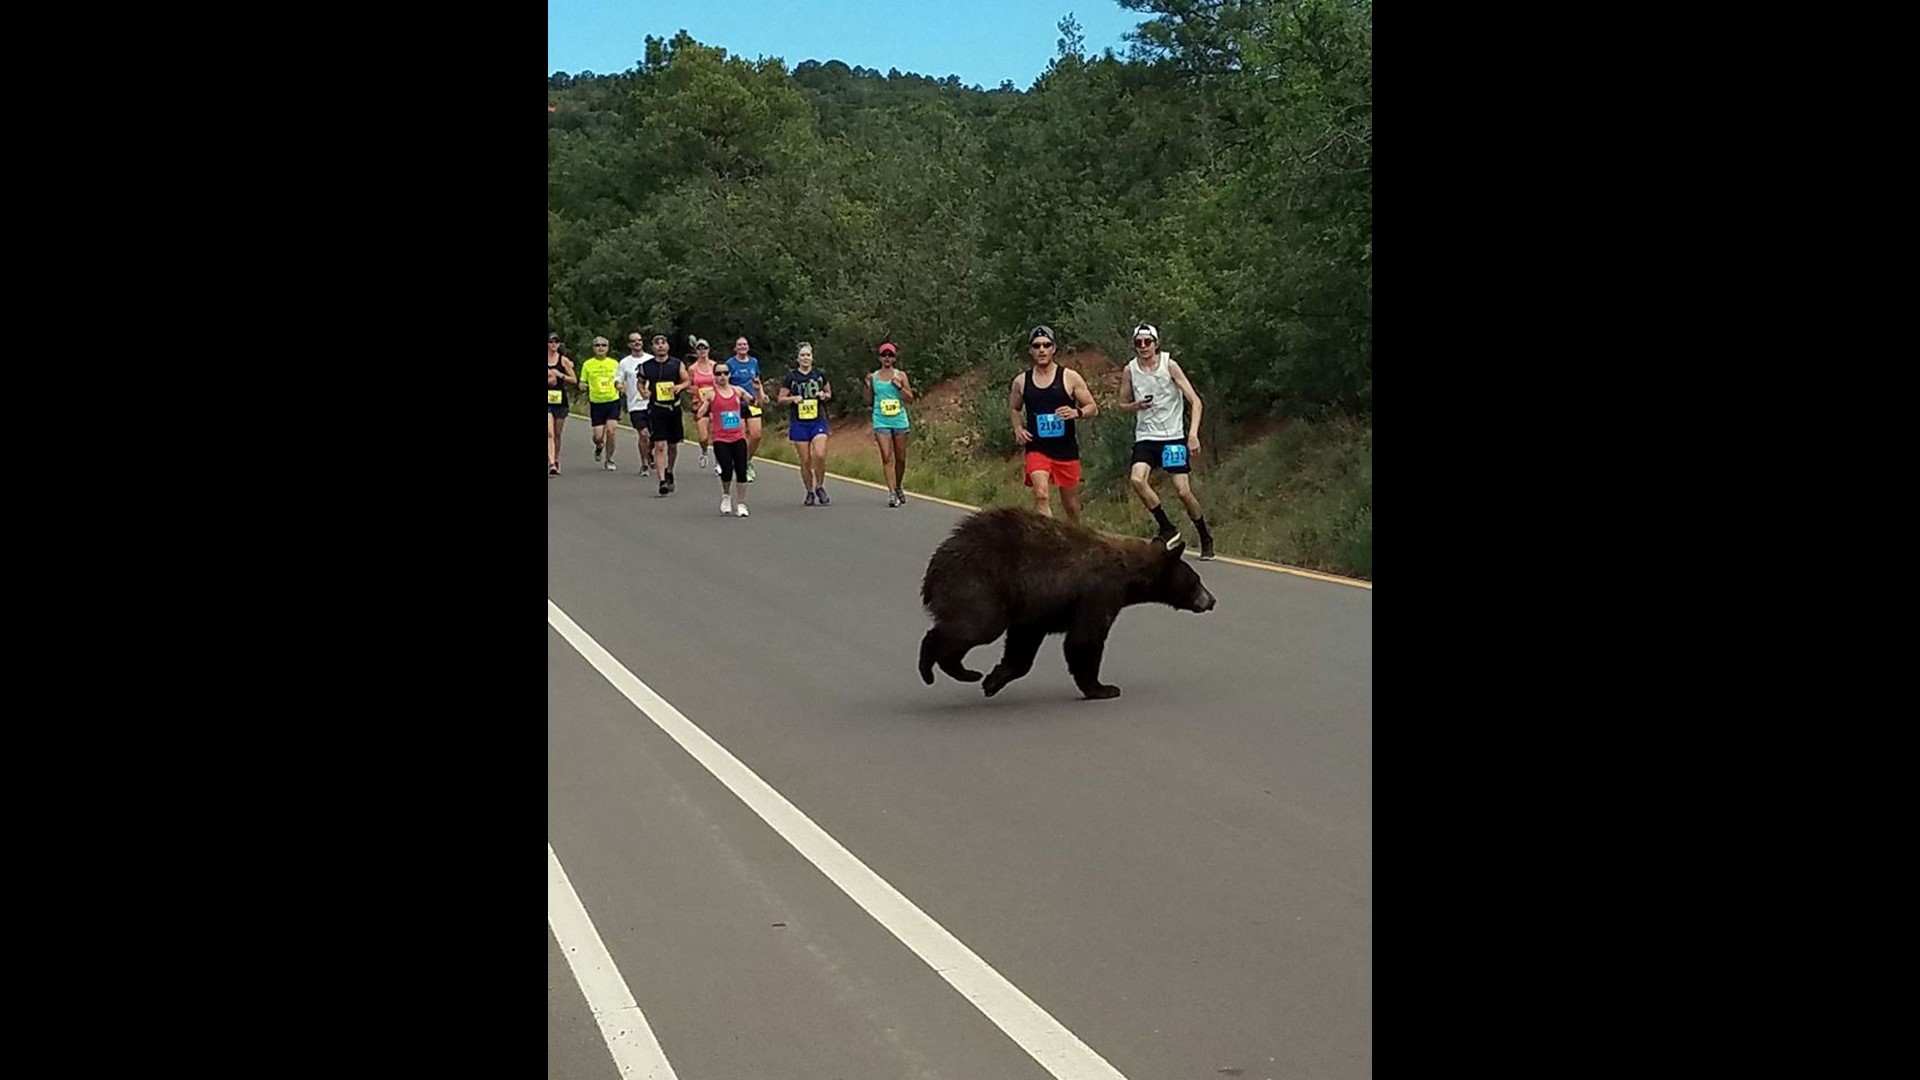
<point x="1158" y="393"/>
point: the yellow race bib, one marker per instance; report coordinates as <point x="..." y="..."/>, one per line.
<point x="603" y="386"/>
<point x="890" y="407"/>
<point x="663" y="392"/>
<point x="554" y="397"/>
<point x="809" y="410"/>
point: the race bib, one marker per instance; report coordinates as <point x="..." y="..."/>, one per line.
<point x="809" y="410"/>
<point x="603" y="385"/>
<point x="890" y="407"/>
<point x="753" y="410"/>
<point x="730" y="420"/>
<point x="555" y="397"/>
<point x="663" y="392"/>
<point x="1173" y="455"/>
<point x="1049" y="426"/>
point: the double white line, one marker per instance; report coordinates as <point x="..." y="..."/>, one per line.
<point x="1058" y="1050"/>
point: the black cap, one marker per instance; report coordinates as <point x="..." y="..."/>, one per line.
<point x="1042" y="331"/>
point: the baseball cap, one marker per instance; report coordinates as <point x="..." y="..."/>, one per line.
<point x="887" y="349"/>
<point x="1146" y="330"/>
<point x="1042" y="331"/>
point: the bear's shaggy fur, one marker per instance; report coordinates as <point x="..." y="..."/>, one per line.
<point x="1014" y="571"/>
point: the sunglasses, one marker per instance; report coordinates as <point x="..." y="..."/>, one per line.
<point x="553" y="341"/>
<point x="720" y="373"/>
<point x="1041" y="345"/>
<point x="1141" y="342"/>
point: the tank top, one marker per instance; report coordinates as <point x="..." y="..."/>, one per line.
<point x="726" y="418"/>
<point x="1052" y="435"/>
<point x="889" y="409"/>
<point x="702" y="383"/>
<point x="1166" y="418"/>
<point x="661" y="376"/>
<point x="559" y="388"/>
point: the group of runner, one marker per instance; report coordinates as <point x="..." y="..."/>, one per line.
<point x="728" y="399"/>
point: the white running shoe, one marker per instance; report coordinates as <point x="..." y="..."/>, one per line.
<point x="726" y="505"/>
<point x="740" y="511"/>
<point x="611" y="467"/>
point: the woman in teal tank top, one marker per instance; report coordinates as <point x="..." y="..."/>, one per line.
<point x="890" y="392"/>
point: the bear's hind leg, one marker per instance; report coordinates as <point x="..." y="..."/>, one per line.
<point x="1023" y="643"/>
<point x="948" y="648"/>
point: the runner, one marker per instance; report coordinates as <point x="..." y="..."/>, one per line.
<point x="804" y="389"/>
<point x="665" y="380"/>
<point x="1052" y="399"/>
<point x="626" y="379"/>
<point x="559" y="376"/>
<point x="1157" y="393"/>
<point x="890" y="393"/>
<point x="726" y="409"/>
<point x="700" y="371"/>
<point x="746" y="378"/>
<point x="603" y="400"/>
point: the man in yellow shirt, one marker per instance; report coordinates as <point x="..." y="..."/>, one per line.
<point x="603" y="399"/>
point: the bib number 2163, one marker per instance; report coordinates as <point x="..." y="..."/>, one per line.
<point x="1049" y="426"/>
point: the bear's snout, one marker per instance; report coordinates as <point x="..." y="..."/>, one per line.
<point x="1204" y="602"/>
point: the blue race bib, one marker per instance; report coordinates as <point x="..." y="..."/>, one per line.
<point x="730" y="421"/>
<point x="1049" y="426"/>
<point x="1173" y="455"/>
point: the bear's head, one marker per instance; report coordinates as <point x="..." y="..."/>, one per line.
<point x="1174" y="582"/>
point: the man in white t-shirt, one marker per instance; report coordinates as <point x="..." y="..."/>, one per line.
<point x="1157" y="392"/>
<point x="626" y="378"/>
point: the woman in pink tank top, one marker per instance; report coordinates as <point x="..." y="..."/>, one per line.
<point x="700" y="372"/>
<point x="725" y="414"/>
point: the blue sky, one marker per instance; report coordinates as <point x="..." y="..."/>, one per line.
<point x="981" y="41"/>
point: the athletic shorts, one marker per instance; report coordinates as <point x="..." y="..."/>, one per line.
<point x="638" y="418"/>
<point x="558" y="412"/>
<point x="1167" y="454"/>
<point x="1064" y="474"/>
<point x="806" y="430"/>
<point x="604" y="412"/>
<point x="666" y="425"/>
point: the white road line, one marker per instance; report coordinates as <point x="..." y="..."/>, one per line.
<point x="1058" y="1050"/>
<point x="635" y="1051"/>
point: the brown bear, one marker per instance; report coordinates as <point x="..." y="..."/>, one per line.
<point x="1029" y="575"/>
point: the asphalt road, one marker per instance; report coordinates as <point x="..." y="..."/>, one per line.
<point x="1181" y="877"/>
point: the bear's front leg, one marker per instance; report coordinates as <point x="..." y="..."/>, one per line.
<point x="1086" y="644"/>
<point x="1023" y="644"/>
